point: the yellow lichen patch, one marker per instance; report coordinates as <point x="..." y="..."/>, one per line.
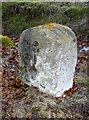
<point x="43" y="26"/>
<point x="37" y="27"/>
<point x="49" y="26"/>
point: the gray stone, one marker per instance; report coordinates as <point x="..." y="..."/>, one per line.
<point x="47" y="58"/>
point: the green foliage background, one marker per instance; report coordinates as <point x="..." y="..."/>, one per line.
<point x="18" y="16"/>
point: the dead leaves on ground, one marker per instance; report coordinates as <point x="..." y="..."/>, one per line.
<point x="72" y="90"/>
<point x="82" y="59"/>
<point x="10" y="71"/>
<point x="14" y="89"/>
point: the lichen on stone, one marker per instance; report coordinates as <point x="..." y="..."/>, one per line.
<point x="49" y="26"/>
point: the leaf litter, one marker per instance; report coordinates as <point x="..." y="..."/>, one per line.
<point x="21" y="101"/>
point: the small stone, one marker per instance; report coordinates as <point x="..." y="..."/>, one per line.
<point x="48" y="56"/>
<point x="64" y="95"/>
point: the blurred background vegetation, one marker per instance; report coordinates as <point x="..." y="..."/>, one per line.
<point x="18" y="16"/>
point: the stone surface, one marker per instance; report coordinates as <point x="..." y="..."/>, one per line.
<point x="47" y="58"/>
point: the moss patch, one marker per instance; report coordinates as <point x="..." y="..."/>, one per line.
<point x="6" y="41"/>
<point x="84" y="82"/>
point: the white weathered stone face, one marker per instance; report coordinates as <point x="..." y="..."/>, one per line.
<point x="47" y="58"/>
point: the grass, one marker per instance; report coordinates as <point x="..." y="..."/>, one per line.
<point x="6" y="9"/>
<point x="17" y="24"/>
<point x="38" y="13"/>
<point x="84" y="82"/>
<point x="77" y="11"/>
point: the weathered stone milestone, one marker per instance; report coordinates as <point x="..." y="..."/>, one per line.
<point x="47" y="58"/>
